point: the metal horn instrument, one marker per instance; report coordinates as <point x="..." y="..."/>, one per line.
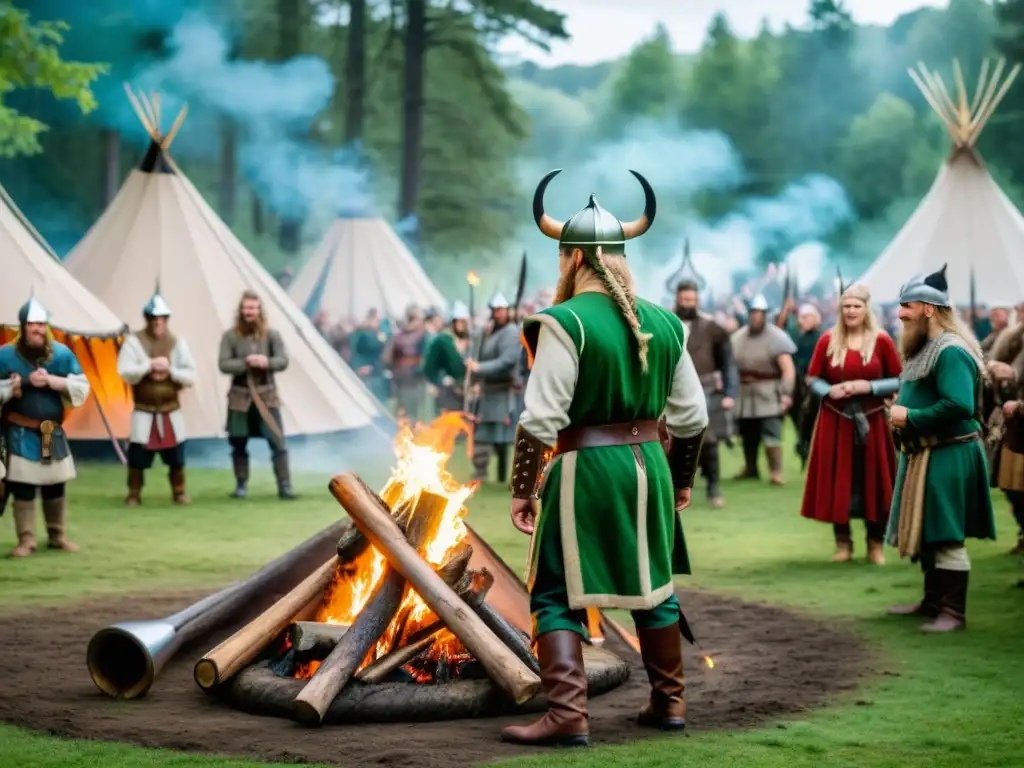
<point x="125" y="658"/>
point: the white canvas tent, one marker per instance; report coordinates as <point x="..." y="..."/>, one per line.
<point x="361" y="264"/>
<point x="965" y="220"/>
<point x="79" y="319"/>
<point x="159" y="228"/>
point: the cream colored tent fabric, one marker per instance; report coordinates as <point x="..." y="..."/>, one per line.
<point x="79" y="319"/>
<point x="361" y="264"/>
<point x="965" y="221"/>
<point x="158" y="226"/>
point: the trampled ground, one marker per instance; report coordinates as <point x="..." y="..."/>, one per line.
<point x="939" y="701"/>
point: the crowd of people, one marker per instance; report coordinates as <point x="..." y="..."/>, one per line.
<point x="600" y="409"/>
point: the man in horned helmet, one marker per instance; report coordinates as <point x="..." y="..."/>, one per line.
<point x="495" y="371"/>
<point x="591" y="481"/>
<point x="157" y="365"/>
<point x="39" y="379"/>
<point x="764" y="357"/>
<point x="942" y="491"/>
<point x="444" y="363"/>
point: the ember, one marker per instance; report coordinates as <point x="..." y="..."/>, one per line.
<point x="420" y="471"/>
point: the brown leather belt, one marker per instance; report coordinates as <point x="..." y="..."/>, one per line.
<point x="605" y="435"/>
<point x="749" y="377"/>
<point x="23" y="421"/>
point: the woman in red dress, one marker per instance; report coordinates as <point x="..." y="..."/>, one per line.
<point x="852" y="468"/>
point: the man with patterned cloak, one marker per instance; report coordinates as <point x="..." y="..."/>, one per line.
<point x="591" y="481"/>
<point x="495" y="371"/>
<point x="157" y="365"/>
<point x="942" y="489"/>
<point x="251" y="353"/>
<point x="40" y="379"/>
<point x="764" y="356"/>
<point x="445" y="361"/>
<point x="708" y="345"/>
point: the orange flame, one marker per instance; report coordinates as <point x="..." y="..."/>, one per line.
<point x="709" y="662"/>
<point x="472" y="278"/>
<point x="422" y="455"/>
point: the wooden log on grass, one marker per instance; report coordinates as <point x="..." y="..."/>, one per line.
<point x="375" y="520"/>
<point x="342" y="662"/>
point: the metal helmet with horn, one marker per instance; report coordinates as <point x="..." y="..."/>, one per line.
<point x="593" y="225"/>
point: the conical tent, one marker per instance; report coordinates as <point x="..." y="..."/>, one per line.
<point x="159" y="228"/>
<point x="79" y="319"/>
<point x="965" y="220"/>
<point x="361" y="264"/>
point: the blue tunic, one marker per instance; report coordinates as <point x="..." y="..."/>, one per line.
<point x="36" y="402"/>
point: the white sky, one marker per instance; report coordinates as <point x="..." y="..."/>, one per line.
<point x="607" y="29"/>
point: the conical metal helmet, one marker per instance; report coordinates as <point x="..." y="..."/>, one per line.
<point x="928" y="289"/>
<point x="32" y="311"/>
<point x="593" y="225"/>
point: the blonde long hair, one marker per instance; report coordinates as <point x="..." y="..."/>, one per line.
<point x="613" y="272"/>
<point x="839" y="342"/>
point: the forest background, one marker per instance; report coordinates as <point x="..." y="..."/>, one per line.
<point x="808" y="143"/>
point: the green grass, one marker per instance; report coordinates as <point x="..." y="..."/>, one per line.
<point x="951" y="700"/>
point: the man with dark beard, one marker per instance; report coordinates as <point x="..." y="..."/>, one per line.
<point x="445" y="362"/>
<point x="764" y="357"/>
<point x="495" y="371"/>
<point x="39" y="379"/>
<point x="157" y="365"/>
<point x="251" y="353"/>
<point x="942" y="489"/>
<point x="708" y="345"/>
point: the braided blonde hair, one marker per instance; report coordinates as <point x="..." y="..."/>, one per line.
<point x="613" y="272"/>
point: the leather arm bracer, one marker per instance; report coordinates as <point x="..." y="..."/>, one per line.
<point x="528" y="464"/>
<point x="682" y="459"/>
<point x="885" y="387"/>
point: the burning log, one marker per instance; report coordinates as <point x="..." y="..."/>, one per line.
<point x="509" y="635"/>
<point x="372" y="621"/>
<point x="472" y="588"/>
<point x="369" y="514"/>
<point x="313" y="637"/>
<point x="242" y="647"/>
<point x="351" y="544"/>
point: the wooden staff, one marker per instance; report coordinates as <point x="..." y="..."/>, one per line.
<point x="373" y="518"/>
<point x="243" y="646"/>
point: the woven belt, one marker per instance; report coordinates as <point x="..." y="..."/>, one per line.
<point x="605" y="435"/>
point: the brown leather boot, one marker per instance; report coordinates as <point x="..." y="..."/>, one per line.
<point x="566" y="723"/>
<point x="177" y="478"/>
<point x="134" y="497"/>
<point x="241" y="465"/>
<point x="283" y="476"/>
<point x="930" y="604"/>
<point x="844" y="551"/>
<point x="25" y="526"/>
<point x="774" y="454"/>
<point x="55" y="511"/>
<point x="876" y="552"/>
<point x="662" y="652"/>
<point x="953" y="593"/>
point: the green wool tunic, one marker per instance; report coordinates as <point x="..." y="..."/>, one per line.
<point x="443" y="359"/>
<point x="607" y="515"/>
<point x="941" y="406"/>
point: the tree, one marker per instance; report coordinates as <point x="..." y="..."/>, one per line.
<point x="874" y="153"/>
<point x="649" y="84"/>
<point x="30" y="58"/>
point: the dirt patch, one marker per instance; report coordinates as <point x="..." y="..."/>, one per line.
<point x="769" y="663"/>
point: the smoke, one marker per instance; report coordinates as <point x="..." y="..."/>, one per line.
<point x="684" y="166"/>
<point x="274" y="104"/>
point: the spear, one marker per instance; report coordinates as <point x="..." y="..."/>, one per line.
<point x="473" y="279"/>
<point x="840" y="287"/>
<point x="974" y="306"/>
<point x="522" y="285"/>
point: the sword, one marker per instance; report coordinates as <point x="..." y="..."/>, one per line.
<point x="265" y="414"/>
<point x="474" y="280"/>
